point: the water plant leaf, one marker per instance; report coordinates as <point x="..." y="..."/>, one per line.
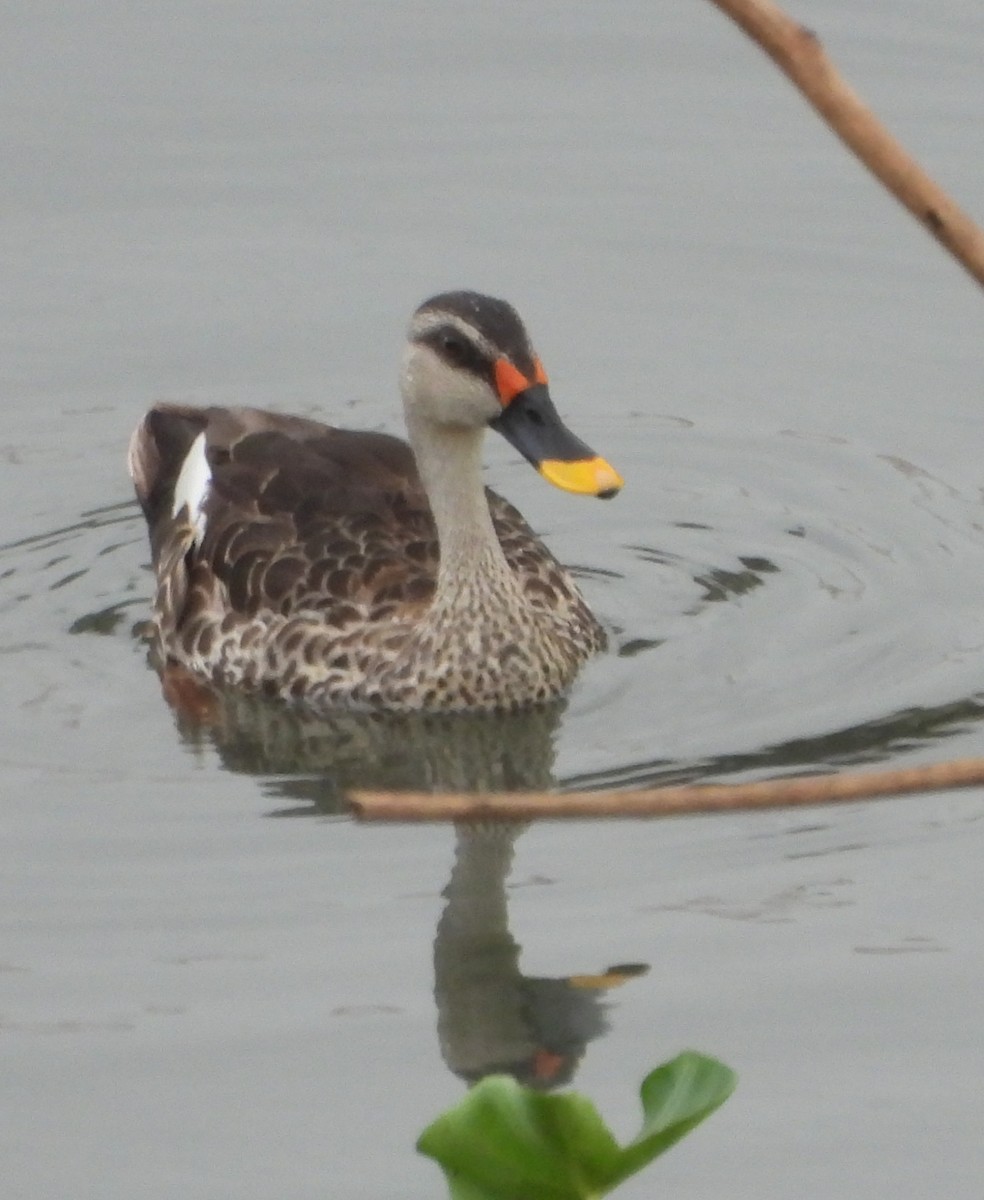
<point x="675" y="1097"/>
<point x="507" y="1142"/>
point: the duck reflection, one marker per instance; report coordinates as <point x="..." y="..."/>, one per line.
<point x="491" y="1018"/>
<point x="316" y="758"/>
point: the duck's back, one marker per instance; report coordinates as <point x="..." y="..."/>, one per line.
<point x="297" y="515"/>
<point x="296" y="527"/>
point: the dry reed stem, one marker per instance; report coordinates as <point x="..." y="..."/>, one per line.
<point x="807" y="790"/>
<point x="798" y="53"/>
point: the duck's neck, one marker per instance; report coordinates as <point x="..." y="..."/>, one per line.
<point x="450" y="464"/>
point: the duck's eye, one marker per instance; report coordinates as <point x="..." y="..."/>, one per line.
<point x="455" y="348"/>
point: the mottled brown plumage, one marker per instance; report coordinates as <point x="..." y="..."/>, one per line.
<point x="316" y="567"/>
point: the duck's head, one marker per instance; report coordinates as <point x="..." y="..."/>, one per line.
<point x="469" y="363"/>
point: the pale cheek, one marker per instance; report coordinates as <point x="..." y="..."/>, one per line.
<point x="460" y="400"/>
<point x="439" y="393"/>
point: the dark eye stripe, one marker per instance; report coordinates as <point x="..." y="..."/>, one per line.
<point x="458" y="350"/>
<point x="495" y="321"/>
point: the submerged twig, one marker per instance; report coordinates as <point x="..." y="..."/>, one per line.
<point x="805" y="791"/>
<point x="799" y="54"/>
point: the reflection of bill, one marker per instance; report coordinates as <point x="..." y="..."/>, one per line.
<point x="492" y="1018"/>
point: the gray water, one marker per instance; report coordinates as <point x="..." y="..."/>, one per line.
<point x="242" y="203"/>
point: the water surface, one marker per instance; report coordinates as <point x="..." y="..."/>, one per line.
<point x="242" y="204"/>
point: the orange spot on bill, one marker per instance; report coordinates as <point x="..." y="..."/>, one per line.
<point x="509" y="380"/>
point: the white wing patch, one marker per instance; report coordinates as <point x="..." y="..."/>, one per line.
<point x="191" y="487"/>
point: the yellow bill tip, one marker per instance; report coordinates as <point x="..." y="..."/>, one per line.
<point x="585" y="476"/>
<point x="611" y="978"/>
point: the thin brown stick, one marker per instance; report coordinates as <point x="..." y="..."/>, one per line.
<point x="798" y="52"/>
<point x="807" y="790"/>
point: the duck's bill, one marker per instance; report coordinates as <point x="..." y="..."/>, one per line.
<point x="531" y="424"/>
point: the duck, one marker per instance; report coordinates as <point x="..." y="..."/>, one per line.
<point x="337" y="568"/>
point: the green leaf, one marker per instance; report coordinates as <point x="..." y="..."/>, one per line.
<point x="461" y="1189"/>
<point x="511" y="1143"/>
<point x="675" y="1097"/>
<point x="506" y="1142"/>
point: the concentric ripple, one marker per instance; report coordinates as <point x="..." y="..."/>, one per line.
<point x="789" y="602"/>
<point x="775" y="603"/>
